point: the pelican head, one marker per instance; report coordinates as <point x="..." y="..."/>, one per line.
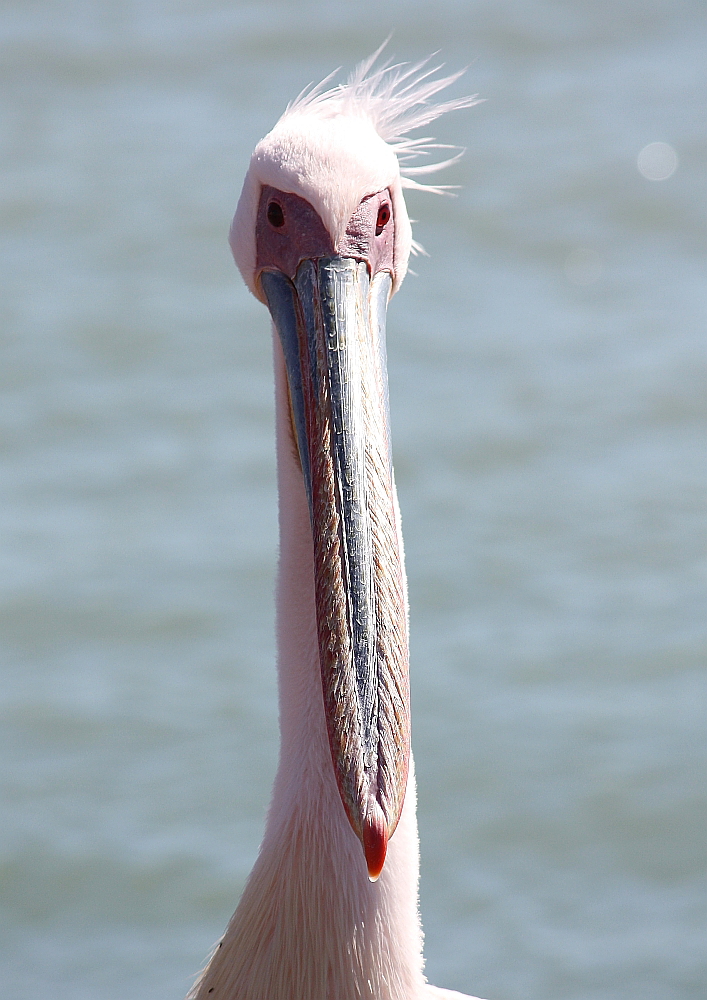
<point x="322" y="236"/>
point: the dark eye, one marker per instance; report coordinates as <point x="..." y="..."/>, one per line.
<point x="276" y="217"/>
<point x="383" y="218"/>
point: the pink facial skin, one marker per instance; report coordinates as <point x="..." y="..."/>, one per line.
<point x="288" y="231"/>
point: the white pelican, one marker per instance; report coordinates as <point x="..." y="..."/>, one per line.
<point x="322" y="237"/>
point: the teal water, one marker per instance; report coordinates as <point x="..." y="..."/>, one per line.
<point x="548" y="368"/>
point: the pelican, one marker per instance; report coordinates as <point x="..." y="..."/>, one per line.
<point x="322" y="237"/>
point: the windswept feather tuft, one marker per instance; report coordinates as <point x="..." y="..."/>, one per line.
<point x="396" y="98"/>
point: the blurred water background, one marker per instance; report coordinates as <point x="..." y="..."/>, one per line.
<point x="548" y="369"/>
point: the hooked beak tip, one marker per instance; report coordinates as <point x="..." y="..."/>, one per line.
<point x="375" y="840"/>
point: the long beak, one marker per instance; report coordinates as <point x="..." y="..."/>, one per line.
<point x="331" y="321"/>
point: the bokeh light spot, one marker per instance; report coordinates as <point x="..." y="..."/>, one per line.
<point x="657" y="161"/>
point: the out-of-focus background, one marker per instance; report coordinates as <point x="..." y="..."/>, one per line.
<point x="548" y="371"/>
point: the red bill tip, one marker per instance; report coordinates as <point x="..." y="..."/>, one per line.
<point x="375" y="841"/>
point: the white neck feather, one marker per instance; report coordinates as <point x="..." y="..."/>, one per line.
<point x="310" y="925"/>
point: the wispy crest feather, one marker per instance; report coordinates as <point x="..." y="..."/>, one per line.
<point x="396" y="98"/>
